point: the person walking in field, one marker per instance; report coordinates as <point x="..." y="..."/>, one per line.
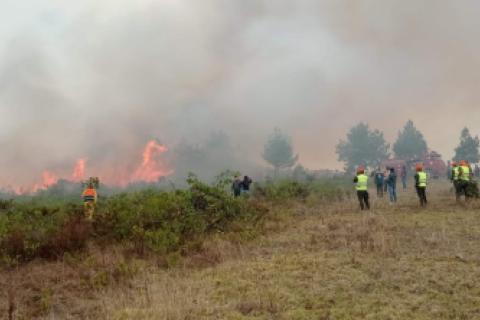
<point x="361" y="181"/>
<point x="403" y="175"/>
<point x="237" y="186"/>
<point x="392" y="185"/>
<point x="464" y="178"/>
<point x="385" y="178"/>
<point x="472" y="186"/>
<point x="90" y="198"/>
<point x="247" y="181"/>
<point x="379" y="181"/>
<point x="455" y="174"/>
<point x="421" y="184"/>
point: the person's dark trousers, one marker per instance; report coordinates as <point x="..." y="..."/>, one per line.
<point x="380" y="190"/>
<point x="422" y="195"/>
<point x="363" y="199"/>
<point x="463" y="189"/>
<point x="458" y="190"/>
<point x="392" y="191"/>
<point x="404" y="182"/>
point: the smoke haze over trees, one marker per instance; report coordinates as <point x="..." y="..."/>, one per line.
<point x="410" y="144"/>
<point x="278" y="151"/>
<point x="363" y="147"/>
<point x="468" y="147"/>
<point x="98" y="79"/>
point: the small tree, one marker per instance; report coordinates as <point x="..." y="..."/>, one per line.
<point x="468" y="147"/>
<point x="362" y="147"/>
<point x="410" y="144"/>
<point x="278" y="151"/>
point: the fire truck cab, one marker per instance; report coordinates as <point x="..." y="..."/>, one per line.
<point x="434" y="165"/>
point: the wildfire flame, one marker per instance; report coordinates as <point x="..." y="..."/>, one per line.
<point x="79" y="170"/>
<point x="48" y="180"/>
<point x="151" y="169"/>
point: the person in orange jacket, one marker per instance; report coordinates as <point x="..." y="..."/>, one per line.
<point x="90" y="198"/>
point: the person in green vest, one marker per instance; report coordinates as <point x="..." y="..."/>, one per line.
<point x="455" y="179"/>
<point x="421" y="184"/>
<point x="464" y="177"/>
<point x="361" y="182"/>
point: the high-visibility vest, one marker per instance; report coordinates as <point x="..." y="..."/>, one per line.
<point x="422" y="179"/>
<point x="465" y="173"/>
<point x="456" y="173"/>
<point x="362" y="183"/>
<point x="89" y="195"/>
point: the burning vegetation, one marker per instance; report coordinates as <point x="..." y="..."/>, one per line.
<point x="150" y="169"/>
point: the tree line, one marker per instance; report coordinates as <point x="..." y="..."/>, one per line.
<point x="365" y="146"/>
<point x="368" y="147"/>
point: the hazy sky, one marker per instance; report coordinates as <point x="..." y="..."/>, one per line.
<point x="97" y="79"/>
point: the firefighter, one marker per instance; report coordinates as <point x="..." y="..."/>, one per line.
<point x="421" y="184"/>
<point x="455" y="179"/>
<point x="464" y="178"/>
<point x="90" y="197"/>
<point x="361" y="181"/>
<point x="472" y="186"/>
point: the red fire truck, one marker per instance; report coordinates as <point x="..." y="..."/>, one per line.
<point x="432" y="163"/>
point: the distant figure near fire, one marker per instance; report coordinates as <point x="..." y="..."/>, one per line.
<point x="237" y="185"/>
<point x="247" y="181"/>
<point x="90" y="197"/>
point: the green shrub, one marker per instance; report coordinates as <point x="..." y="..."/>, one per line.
<point x="327" y="189"/>
<point x="156" y="221"/>
<point x="150" y="220"/>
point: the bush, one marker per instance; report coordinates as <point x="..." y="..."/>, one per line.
<point x="149" y="220"/>
<point x="28" y="231"/>
<point x="331" y="189"/>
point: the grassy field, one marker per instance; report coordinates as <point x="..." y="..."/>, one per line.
<point x="313" y="260"/>
<point x="333" y="262"/>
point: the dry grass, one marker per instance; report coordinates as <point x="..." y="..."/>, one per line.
<point x="314" y="262"/>
<point x="396" y="262"/>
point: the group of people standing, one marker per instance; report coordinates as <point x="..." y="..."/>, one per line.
<point x="387" y="182"/>
<point x="240" y="186"/>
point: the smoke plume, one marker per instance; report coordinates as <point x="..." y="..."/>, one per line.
<point x="98" y="80"/>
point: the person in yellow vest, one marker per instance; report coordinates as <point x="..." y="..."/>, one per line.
<point x="464" y="177"/>
<point x="361" y="181"/>
<point x="90" y="197"/>
<point x="455" y="179"/>
<point x="421" y="184"/>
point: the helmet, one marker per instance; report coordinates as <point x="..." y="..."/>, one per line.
<point x="463" y="163"/>
<point x="419" y="167"/>
<point x="454" y="163"/>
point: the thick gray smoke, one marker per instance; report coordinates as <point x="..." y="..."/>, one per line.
<point x="98" y="79"/>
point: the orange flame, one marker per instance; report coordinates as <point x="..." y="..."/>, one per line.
<point x="151" y="168"/>
<point x="48" y="180"/>
<point x="79" y="170"/>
